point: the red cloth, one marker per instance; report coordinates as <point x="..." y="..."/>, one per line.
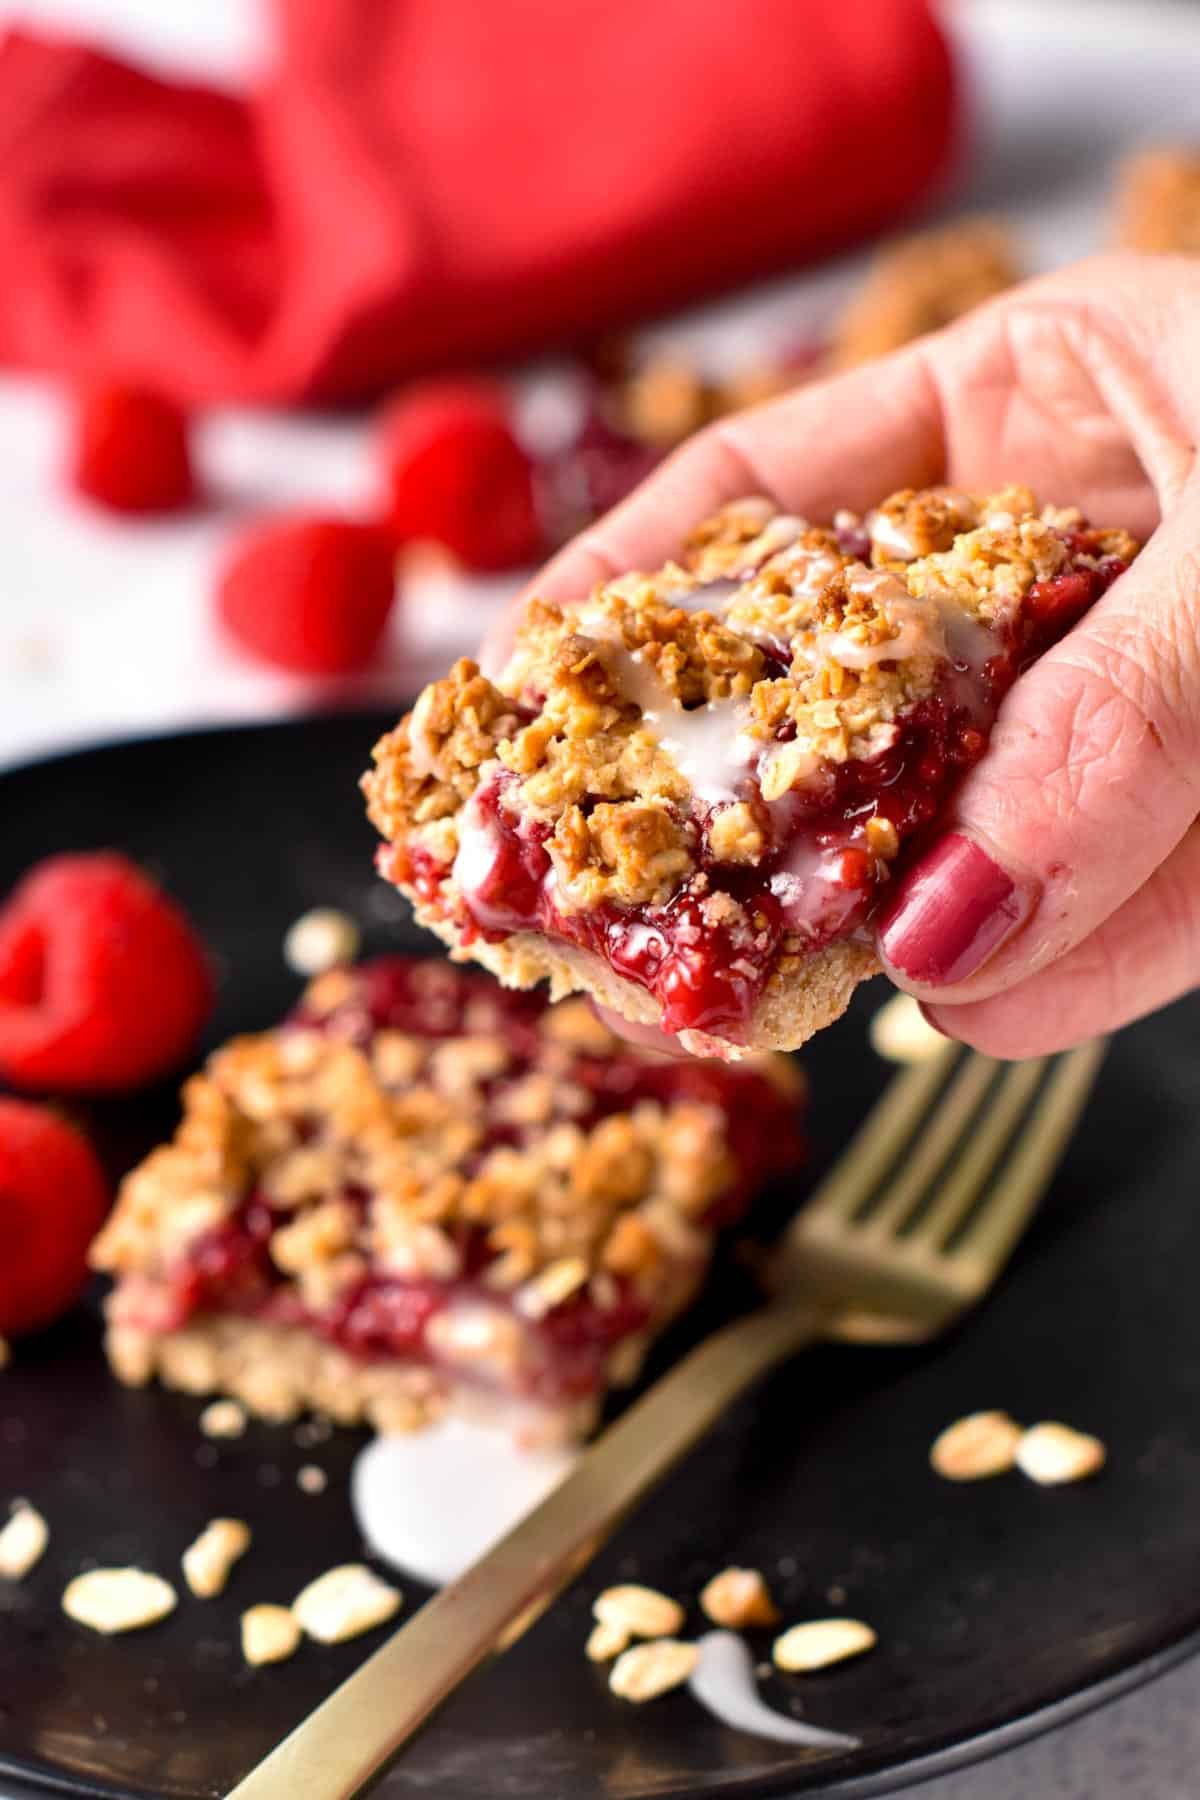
<point x="431" y="181"/>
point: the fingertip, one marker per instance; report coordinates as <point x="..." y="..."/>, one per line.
<point x="954" y="910"/>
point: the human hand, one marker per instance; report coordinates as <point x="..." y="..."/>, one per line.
<point x="1063" y="896"/>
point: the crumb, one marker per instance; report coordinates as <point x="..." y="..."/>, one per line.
<point x="207" y="1561"/>
<point x="647" y="1670"/>
<point x="901" y="1033"/>
<point x="344" y="1602"/>
<point x="320" y="940"/>
<point x="1050" y="1454"/>
<point x="23" y="1542"/>
<point x="116" y="1600"/>
<point x="605" y="1642"/>
<point x="639" y="1611"/>
<point x="270" y="1634"/>
<point x="223" y="1419"/>
<point x="982" y="1444"/>
<point x="821" y="1642"/>
<point x="737" y="1598"/>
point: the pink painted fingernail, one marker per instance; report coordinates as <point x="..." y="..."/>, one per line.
<point x="955" y="909"/>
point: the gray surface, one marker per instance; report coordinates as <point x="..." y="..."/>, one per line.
<point x="1145" y="1746"/>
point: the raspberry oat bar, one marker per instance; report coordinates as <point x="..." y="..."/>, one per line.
<point x="420" y="1189"/>
<point x="686" y="793"/>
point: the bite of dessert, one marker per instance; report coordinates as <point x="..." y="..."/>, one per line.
<point x="687" y="792"/>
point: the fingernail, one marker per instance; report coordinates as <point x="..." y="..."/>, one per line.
<point x="955" y="909"/>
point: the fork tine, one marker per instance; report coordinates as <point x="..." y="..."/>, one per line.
<point x="879" y="1140"/>
<point x="991" y="1237"/>
<point x="936" y="1143"/>
<point x="987" y="1144"/>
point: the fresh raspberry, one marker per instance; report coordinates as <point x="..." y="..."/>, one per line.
<point x="309" y="594"/>
<point x="130" y="450"/>
<point x="590" y="475"/>
<point x="103" y="983"/>
<point x="53" y="1197"/>
<point x="458" y="476"/>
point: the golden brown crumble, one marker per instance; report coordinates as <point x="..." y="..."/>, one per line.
<point x="1158" y="200"/>
<point x="307" y="1119"/>
<point x="922" y="283"/>
<point x="587" y="730"/>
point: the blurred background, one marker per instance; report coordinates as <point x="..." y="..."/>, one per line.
<point x="250" y="250"/>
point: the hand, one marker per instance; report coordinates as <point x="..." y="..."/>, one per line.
<point x="1063" y="897"/>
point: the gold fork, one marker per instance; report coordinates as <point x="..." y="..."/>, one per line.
<point x="909" y="1230"/>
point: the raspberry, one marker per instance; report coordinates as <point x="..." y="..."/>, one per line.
<point x="591" y="475"/>
<point x="309" y="594"/>
<point x="130" y="450"/>
<point x="457" y="475"/>
<point x="103" y="983"/>
<point x="53" y="1197"/>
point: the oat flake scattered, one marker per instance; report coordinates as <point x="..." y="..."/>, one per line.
<point x="113" y="1600"/>
<point x="207" y="1562"/>
<point x="22" y="1542"/>
<point x="605" y="1642"/>
<point x="638" y="1611"/>
<point x="319" y="940"/>
<point x="1050" y="1454"/>
<point x="223" y="1419"/>
<point x="647" y="1670"/>
<point x="819" y="1643"/>
<point x="981" y="1444"/>
<point x="269" y="1634"/>
<point x="343" y="1602"/>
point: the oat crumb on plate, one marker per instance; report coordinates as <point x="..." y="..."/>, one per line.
<point x="270" y="1634"/>
<point x="344" y="1602"/>
<point x="736" y="1598"/>
<point x="901" y="1033"/>
<point x="639" y="1611"/>
<point x="223" y="1419"/>
<point x="647" y="1670"/>
<point x="606" y="1641"/>
<point x="974" y="1447"/>
<point x="23" y="1541"/>
<point x="320" y="940"/>
<point x="820" y="1642"/>
<point x="1052" y="1454"/>
<point x="116" y="1600"/>
<point x="208" y="1561"/>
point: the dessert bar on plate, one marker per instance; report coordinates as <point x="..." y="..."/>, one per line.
<point x="421" y="1190"/>
<point x="687" y="792"/>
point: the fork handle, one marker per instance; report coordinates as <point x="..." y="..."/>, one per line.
<point x="333" y="1753"/>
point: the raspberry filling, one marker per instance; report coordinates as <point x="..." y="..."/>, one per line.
<point x="382" y="1316"/>
<point x="706" y="961"/>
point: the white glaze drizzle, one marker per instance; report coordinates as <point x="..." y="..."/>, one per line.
<point x="890" y="537"/>
<point x="708" y="744"/>
<point x="723" y="1683"/>
<point x="431" y="1502"/>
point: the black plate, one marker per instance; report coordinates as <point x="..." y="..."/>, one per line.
<point x="998" y="1606"/>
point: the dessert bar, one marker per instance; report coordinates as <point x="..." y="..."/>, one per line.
<point x="687" y="792"/>
<point x="421" y="1190"/>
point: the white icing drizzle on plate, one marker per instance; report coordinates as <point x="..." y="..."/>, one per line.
<point x="723" y="1682"/>
<point x="431" y="1502"/>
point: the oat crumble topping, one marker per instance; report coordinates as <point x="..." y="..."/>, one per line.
<point x="470" y="1171"/>
<point x="674" y="734"/>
